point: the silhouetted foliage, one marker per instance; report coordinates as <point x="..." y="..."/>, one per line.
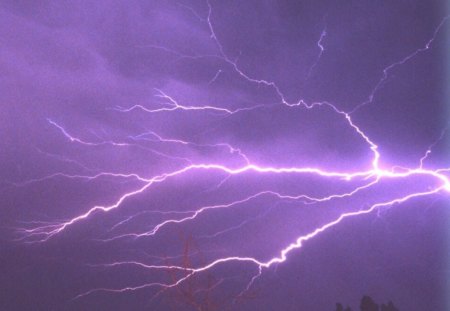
<point x="339" y="307"/>
<point x="368" y="304"/>
<point x="389" y="307"/>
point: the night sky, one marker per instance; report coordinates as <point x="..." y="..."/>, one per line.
<point x="224" y="155"/>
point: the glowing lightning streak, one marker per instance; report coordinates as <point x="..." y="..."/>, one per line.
<point x="321" y="48"/>
<point x="158" y="137"/>
<point x="201" y="210"/>
<point x="428" y="152"/>
<point x="222" y="168"/>
<point x="398" y="63"/>
<point x="215" y="76"/>
<point x="112" y="143"/>
<point x="284" y="252"/>
<point x="87" y="177"/>
<point x="173" y="106"/>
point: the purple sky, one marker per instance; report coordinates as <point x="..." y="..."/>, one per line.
<point x="223" y="105"/>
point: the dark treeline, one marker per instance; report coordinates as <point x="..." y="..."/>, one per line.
<point x="367" y="304"/>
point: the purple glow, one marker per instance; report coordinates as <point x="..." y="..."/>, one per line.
<point x="275" y="154"/>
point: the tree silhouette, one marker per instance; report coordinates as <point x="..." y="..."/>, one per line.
<point x="367" y="304"/>
<point x="339" y="307"/>
<point x="389" y="307"/>
<point x="194" y="293"/>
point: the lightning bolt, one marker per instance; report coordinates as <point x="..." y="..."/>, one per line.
<point x="321" y="47"/>
<point x="400" y="62"/>
<point x="367" y="178"/>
